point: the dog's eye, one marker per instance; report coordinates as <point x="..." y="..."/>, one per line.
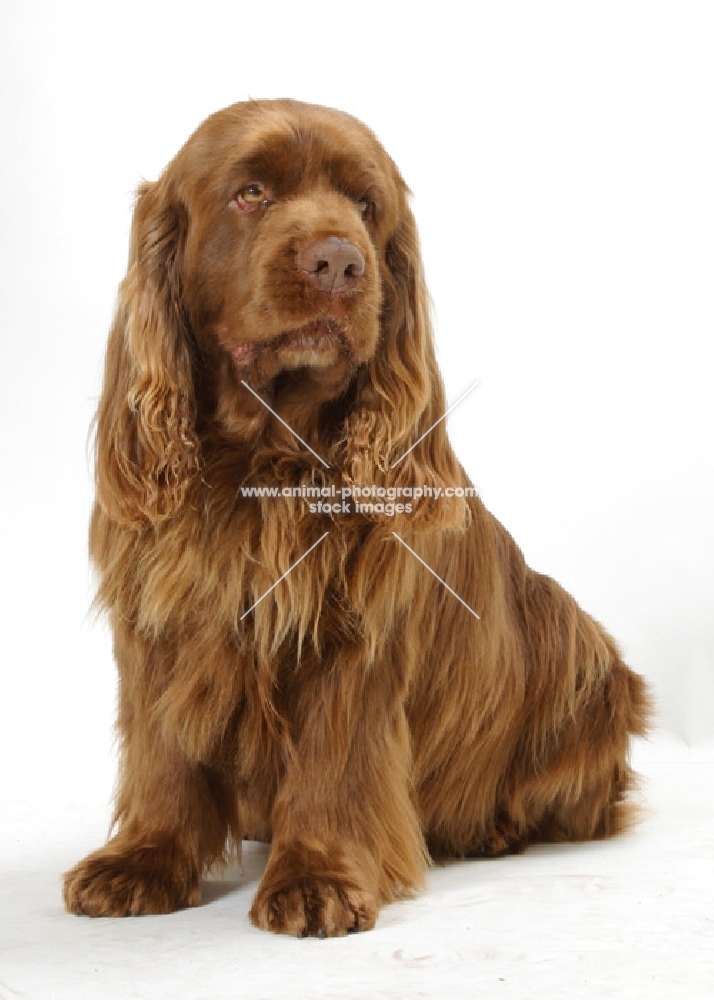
<point x="366" y="208"/>
<point x="250" y="197"/>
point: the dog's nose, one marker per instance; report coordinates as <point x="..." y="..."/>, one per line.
<point x="332" y="264"/>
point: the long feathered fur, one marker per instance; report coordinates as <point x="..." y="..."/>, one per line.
<point x="359" y="717"/>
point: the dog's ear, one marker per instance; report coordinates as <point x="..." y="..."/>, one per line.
<point x="400" y="394"/>
<point x="146" y="444"/>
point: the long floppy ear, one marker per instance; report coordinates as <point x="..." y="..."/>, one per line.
<point x="146" y="444"/>
<point x="400" y="395"/>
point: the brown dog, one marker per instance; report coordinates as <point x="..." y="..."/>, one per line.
<point x="273" y="331"/>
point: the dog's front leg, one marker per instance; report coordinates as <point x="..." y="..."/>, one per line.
<point x="346" y="837"/>
<point x="173" y="809"/>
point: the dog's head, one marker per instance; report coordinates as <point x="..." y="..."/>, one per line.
<point x="276" y="251"/>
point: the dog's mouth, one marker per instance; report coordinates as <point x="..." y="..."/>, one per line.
<point x="318" y="343"/>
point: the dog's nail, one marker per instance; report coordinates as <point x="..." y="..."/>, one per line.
<point x="302" y="933"/>
<point x="322" y="933"/>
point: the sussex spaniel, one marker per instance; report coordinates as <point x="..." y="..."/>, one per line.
<point x="302" y="671"/>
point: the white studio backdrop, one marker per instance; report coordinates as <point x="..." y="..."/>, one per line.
<point x="561" y="157"/>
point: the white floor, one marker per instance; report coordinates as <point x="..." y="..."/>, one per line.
<point x="631" y="917"/>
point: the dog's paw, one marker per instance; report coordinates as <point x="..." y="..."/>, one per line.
<point x="503" y="837"/>
<point x="128" y="881"/>
<point x="314" y="906"/>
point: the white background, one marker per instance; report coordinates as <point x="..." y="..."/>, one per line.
<point x="561" y="157"/>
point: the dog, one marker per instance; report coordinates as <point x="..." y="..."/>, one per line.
<point x="368" y="683"/>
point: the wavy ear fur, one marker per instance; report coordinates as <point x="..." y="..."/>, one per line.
<point x="401" y="394"/>
<point x="146" y="445"/>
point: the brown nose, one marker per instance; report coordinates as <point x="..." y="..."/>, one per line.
<point x="333" y="264"/>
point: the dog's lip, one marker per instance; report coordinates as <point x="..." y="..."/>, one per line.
<point x="319" y="335"/>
